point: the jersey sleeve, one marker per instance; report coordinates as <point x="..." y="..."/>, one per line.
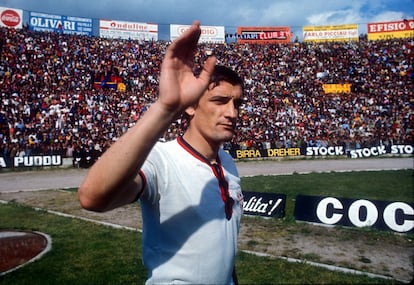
<point x="151" y="170"/>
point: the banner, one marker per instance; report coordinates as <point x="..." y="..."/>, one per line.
<point x="109" y="81"/>
<point x="335" y="33"/>
<point x="30" y="161"/>
<point x="383" y="215"/>
<point x="11" y="18"/>
<point x="209" y="34"/>
<point x="381" y="150"/>
<point x="259" y="153"/>
<point x="264" y="204"/>
<point x="390" y="30"/>
<point x="263" y="35"/>
<point x="336" y="88"/>
<point x="128" y="30"/>
<point x="337" y="150"/>
<point x="41" y="22"/>
<point x="361" y="152"/>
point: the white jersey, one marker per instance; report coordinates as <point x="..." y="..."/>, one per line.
<point x="186" y="235"/>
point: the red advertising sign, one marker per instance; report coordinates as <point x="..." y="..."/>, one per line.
<point x="263" y="35"/>
<point x="10" y="18"/>
<point x="389" y="30"/>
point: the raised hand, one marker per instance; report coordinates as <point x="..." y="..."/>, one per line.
<point x="179" y="88"/>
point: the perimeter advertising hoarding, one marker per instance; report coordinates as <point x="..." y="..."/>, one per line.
<point x="335" y="33"/>
<point x="11" y="18"/>
<point x="128" y="30"/>
<point x="263" y="35"/>
<point x="209" y="34"/>
<point x="334" y="211"/>
<point x="390" y="30"/>
<point x="41" y="22"/>
<point x="270" y="205"/>
<point x="337" y="150"/>
<point x="30" y="161"/>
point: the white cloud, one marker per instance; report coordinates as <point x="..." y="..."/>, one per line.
<point x="335" y="18"/>
<point x="386" y="16"/>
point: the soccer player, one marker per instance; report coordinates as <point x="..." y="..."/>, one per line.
<point x="189" y="188"/>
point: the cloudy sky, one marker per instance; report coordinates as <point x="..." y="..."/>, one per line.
<point x="229" y="13"/>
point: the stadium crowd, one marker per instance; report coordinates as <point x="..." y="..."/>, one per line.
<point x="50" y="103"/>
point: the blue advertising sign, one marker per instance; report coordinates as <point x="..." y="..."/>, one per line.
<point x="41" y="22"/>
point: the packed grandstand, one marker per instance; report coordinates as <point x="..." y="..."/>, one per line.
<point x="73" y="95"/>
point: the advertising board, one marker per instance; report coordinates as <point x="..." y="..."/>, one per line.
<point x="128" y="30"/>
<point x="394" y="216"/>
<point x="41" y="22"/>
<point x="11" y="18"/>
<point x="332" y="33"/>
<point x="263" y="35"/>
<point x="209" y="34"/>
<point x="390" y="30"/>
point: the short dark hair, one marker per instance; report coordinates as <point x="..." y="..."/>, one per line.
<point x="224" y="73"/>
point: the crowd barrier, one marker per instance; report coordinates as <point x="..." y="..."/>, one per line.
<point x="330" y="151"/>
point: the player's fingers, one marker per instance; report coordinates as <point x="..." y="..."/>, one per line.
<point x="187" y="41"/>
<point x="208" y="69"/>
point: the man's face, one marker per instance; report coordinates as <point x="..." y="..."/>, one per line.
<point x="217" y="111"/>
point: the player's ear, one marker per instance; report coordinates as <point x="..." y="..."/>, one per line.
<point x="189" y="112"/>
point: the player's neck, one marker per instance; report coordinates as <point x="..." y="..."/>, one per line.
<point x="205" y="148"/>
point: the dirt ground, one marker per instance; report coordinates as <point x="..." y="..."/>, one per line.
<point x="385" y="255"/>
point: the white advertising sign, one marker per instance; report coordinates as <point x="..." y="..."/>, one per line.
<point x="128" y="30"/>
<point x="209" y="34"/>
<point x="11" y="18"/>
<point x="330" y="33"/>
